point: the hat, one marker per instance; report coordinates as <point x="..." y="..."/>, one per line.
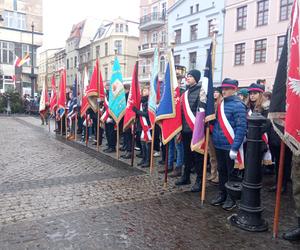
<point x="230" y="83"/>
<point x="254" y="87"/>
<point x="196" y="74"/>
<point x="244" y="92"/>
<point x="217" y="89"/>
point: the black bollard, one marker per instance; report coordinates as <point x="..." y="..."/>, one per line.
<point x="249" y="216"/>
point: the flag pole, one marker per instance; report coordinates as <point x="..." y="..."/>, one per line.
<point x="66" y="124"/>
<point x="152" y="150"/>
<point x="166" y="166"/>
<point x="98" y="129"/>
<point x="118" y="142"/>
<point x="278" y="190"/>
<point x="49" y="119"/>
<point x="75" y="128"/>
<point x="213" y="58"/>
<point x="132" y="142"/>
<point x="61" y="125"/>
<point x="86" y="130"/>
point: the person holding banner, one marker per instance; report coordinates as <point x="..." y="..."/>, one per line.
<point x="190" y="100"/>
<point x="228" y="135"/>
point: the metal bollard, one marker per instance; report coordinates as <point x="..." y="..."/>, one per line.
<point x="249" y="216"/>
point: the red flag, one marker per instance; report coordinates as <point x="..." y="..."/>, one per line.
<point x="53" y="98"/>
<point x="62" y="93"/>
<point x="84" y="102"/>
<point x="292" y="118"/>
<point x="134" y="99"/>
<point x="44" y="101"/>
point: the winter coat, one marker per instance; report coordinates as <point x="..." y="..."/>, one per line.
<point x="143" y="112"/>
<point x="194" y="99"/>
<point x="235" y="111"/>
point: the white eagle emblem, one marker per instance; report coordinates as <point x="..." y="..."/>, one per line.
<point x="294" y="84"/>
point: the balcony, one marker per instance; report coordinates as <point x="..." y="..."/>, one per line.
<point x="152" y="21"/>
<point x="147" y="49"/>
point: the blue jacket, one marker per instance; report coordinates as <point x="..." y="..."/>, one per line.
<point x="235" y="111"/>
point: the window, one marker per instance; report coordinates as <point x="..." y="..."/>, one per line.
<point x="197" y="7"/>
<point x="285" y="9"/>
<point x="178" y="36"/>
<point x="14" y="20"/>
<point x="106" y="49"/>
<point x="260" y="51"/>
<point x="194" y="29"/>
<point x="177" y="60"/>
<point x="117" y="27"/>
<point x="164" y="10"/>
<point x="121" y="27"/>
<point x="162" y="65"/>
<point x="75" y="61"/>
<point x="280" y="42"/>
<point x="15" y="5"/>
<point x="210" y="28"/>
<point x="118" y="47"/>
<point x="262" y="12"/>
<point x="97" y="51"/>
<point x="163" y="37"/>
<point x="154" y="37"/>
<point x="7" y="52"/>
<point x="71" y="63"/>
<point x="126" y="27"/>
<point x="67" y="63"/>
<point x="192" y="60"/>
<point x="191" y="9"/>
<point x="105" y="73"/>
<point x="26" y="49"/>
<point x="239" y="54"/>
<point x="241" y="18"/>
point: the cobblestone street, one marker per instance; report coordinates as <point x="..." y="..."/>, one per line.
<point x="60" y="195"/>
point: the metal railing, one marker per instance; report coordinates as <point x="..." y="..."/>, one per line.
<point x="154" y="16"/>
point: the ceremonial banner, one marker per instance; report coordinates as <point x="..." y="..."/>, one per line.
<point x="84" y="102"/>
<point x="53" y="98"/>
<point x="62" y="94"/>
<point x="117" y="100"/>
<point x="134" y="99"/>
<point x="73" y="105"/>
<point x="44" y="101"/>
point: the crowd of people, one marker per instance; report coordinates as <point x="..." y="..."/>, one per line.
<point x="227" y="144"/>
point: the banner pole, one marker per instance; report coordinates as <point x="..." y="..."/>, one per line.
<point x="152" y="150"/>
<point x="118" y="142"/>
<point x="132" y="143"/>
<point x="61" y="125"/>
<point x="278" y="190"/>
<point x="49" y="119"/>
<point x="98" y="129"/>
<point x="166" y="166"/>
<point x="202" y="194"/>
<point x="86" y="130"/>
<point x="75" y="127"/>
<point x="66" y="124"/>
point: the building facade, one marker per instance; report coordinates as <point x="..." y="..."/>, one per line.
<point x="253" y="39"/>
<point x="20" y="31"/>
<point x="191" y="24"/>
<point x="153" y="33"/>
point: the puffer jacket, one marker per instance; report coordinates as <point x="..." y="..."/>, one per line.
<point x="235" y="111"/>
<point x="194" y="99"/>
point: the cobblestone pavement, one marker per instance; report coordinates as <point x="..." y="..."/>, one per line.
<point x="57" y="195"/>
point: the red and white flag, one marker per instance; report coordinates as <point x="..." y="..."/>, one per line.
<point x="53" y="97"/>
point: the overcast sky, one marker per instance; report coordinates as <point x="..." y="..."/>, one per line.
<point x="60" y="15"/>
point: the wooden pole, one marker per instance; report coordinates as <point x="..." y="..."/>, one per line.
<point x="278" y="190"/>
<point x="152" y="150"/>
<point x="49" y="119"/>
<point x="61" y="125"/>
<point x="66" y="124"/>
<point x="166" y="166"/>
<point x="98" y="128"/>
<point x="132" y="143"/>
<point x="75" y="129"/>
<point x="118" y="142"/>
<point x="202" y="194"/>
<point x="86" y="130"/>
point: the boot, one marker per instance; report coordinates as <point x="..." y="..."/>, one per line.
<point x="184" y="179"/>
<point x="176" y="172"/>
<point x="198" y="185"/>
<point x="219" y="199"/>
<point x="293" y="234"/>
<point x="145" y="165"/>
<point x="229" y="204"/>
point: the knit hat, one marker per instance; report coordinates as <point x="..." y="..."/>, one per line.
<point x="217" y="89"/>
<point x="230" y="83"/>
<point x="254" y="87"/>
<point x="195" y="73"/>
<point x="244" y="92"/>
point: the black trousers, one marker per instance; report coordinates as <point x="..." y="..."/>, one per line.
<point x="225" y="168"/>
<point x="127" y="135"/>
<point x="191" y="158"/>
<point x="111" y="135"/>
<point x="287" y="167"/>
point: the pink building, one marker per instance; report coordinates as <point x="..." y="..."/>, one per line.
<point x="153" y="31"/>
<point x="253" y="39"/>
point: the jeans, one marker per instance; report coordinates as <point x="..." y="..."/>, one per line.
<point x="172" y="146"/>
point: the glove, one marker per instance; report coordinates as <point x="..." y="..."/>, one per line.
<point x="233" y="154"/>
<point x="134" y="109"/>
<point x="109" y="120"/>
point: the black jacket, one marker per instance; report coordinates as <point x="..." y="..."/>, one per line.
<point x="194" y="100"/>
<point x="143" y="112"/>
